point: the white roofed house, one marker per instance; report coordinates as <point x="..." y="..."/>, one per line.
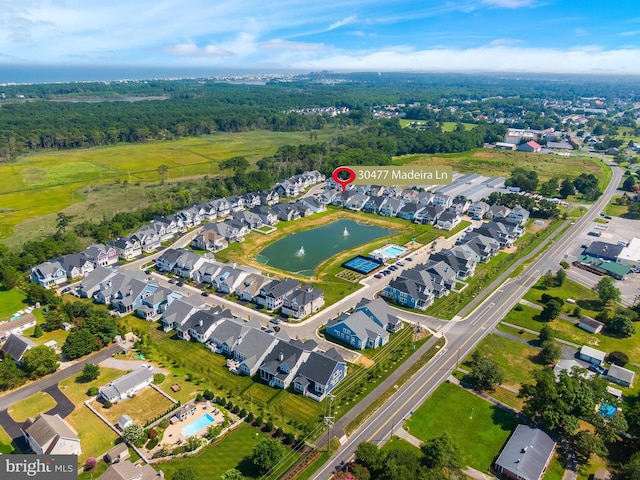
<point x="519" y="215"/>
<point x="591" y="355"/>
<point x="356" y="202"/>
<point x="127" y="385"/>
<point x="49" y="274"/>
<point x="303" y="301"/>
<point x="621" y="376"/>
<point x="268" y="216"/>
<point x="229" y="277"/>
<point x="51" y="435"/>
<point x="210" y="241"/>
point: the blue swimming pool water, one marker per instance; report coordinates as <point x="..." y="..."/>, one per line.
<point x="392" y="251"/>
<point x="197" y="425"/>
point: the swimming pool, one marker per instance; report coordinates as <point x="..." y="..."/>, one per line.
<point x="388" y="252"/>
<point x="200" y="423"/>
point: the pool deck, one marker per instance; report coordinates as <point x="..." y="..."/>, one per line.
<point x="173" y="434"/>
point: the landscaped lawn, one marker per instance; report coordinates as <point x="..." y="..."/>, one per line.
<point x="555" y="470"/>
<point x="5" y="442"/>
<point x="232" y="452"/>
<point x="147" y="404"/>
<point x="76" y="390"/>
<point x="31" y="406"/>
<point x="585" y="298"/>
<point x="397" y="443"/>
<point x="10" y="302"/>
<point x="96" y="438"/>
<point x="479" y="428"/>
<point x="517" y="360"/>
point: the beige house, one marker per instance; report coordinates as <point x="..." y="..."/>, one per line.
<point x="50" y="434"/>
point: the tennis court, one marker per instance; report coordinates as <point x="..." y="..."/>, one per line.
<point x="362" y="264"/>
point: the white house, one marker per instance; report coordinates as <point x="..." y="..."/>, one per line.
<point x="50" y="434"/>
<point x="127" y="385"/>
<point x="591" y="355"/>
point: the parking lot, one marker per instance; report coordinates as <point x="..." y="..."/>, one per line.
<point x="616" y="230"/>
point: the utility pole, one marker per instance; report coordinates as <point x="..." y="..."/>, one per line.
<point x="328" y="420"/>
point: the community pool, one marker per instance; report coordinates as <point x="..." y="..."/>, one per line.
<point x="388" y="252"/>
<point x="200" y="423"/>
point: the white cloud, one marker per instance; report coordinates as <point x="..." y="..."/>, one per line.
<point x="341" y="23"/>
<point x="278" y="44"/>
<point x="629" y="33"/>
<point x="505" y="41"/>
<point x="508" y="3"/>
<point x="191" y="50"/>
<point x="581" y="32"/>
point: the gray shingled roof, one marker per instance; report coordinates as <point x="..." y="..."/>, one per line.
<point x="128" y="381"/>
<point x="527" y="452"/>
<point x="16" y="345"/>
<point x="318" y="367"/>
<point x="46" y="427"/>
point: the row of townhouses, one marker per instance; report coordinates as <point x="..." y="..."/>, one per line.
<point x="278" y="360"/>
<point x="297" y="184"/>
<point x="246" y="283"/>
<point x="419" y="286"/>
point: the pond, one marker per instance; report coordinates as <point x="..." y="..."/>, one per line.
<point x="302" y="252"/>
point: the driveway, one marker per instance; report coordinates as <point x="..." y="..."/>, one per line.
<point x="129" y="365"/>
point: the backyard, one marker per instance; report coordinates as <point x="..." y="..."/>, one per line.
<point x="96" y="438"/>
<point x="479" y="428"/>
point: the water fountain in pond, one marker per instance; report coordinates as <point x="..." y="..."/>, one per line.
<point x="300" y="252"/>
<point x="345" y="233"/>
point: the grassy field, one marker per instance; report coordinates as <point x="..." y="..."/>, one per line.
<point x="501" y="163"/>
<point x="233" y="452"/>
<point x="5" y="443"/>
<point x="446" y="126"/>
<point x="31" y="406"/>
<point x="143" y="407"/>
<point x="555" y="470"/>
<point x="95" y="437"/>
<point x="76" y="390"/>
<point x="479" y="428"/>
<point x="585" y="298"/>
<point x="10" y="302"/>
<point x="63" y="178"/>
<point x="615" y="210"/>
<point x="517" y="360"/>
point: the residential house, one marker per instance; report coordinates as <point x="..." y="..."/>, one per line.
<point x="410" y="210"/>
<point x="127" y="248"/>
<point x="230" y="230"/>
<point x="376" y="191"/>
<point x="430" y="214"/>
<point x="518" y="215"/>
<point x="249" y="287"/>
<point x="190" y="217"/>
<point x="442" y="276"/>
<point x="188" y="264"/>
<point x="425" y="198"/>
<point x="124" y="292"/>
<point x="167" y="227"/>
<point x="287" y="188"/>
<point x="209" y="240"/>
<point x="126" y="470"/>
<point x="153" y="306"/>
<point x="341" y="198"/>
<point x="251" y="199"/>
<point x="16" y="326"/>
<point x="313" y="203"/>
<point x="101" y="255"/>
<point x="379" y="311"/>
<point x="497" y="231"/>
<point x="448" y="220"/>
<point x="591" y="355"/>
<point x="226" y="335"/>
<point x="486" y="247"/>
<point x="374" y="204"/>
<point x="91" y="283"/>
<point x="127" y="385"/>
<point x="302" y="302"/>
<point x="179" y="311"/>
<point x="526" y="455"/>
<point x="51" y="435"/>
<point x="49" y="274"/>
<point x="358" y="330"/>
<point x="621" y="376"/>
<point x="76" y="265"/>
<point x="413" y="289"/>
<point x="356" y="202"/>
<point x="222" y="206"/>
<point x="281" y="365"/>
<point x="150" y="237"/>
<point x="168" y="259"/>
<point x="16" y="346"/>
<point x="266" y="214"/>
<point x="207" y="211"/>
<point x="273" y="294"/>
<point x="442" y="200"/>
<point x="590" y="325"/>
<point x="230" y="277"/>
<point x="478" y="210"/>
<point x="286" y="212"/>
<point x="251" y="351"/>
<point x="269" y="197"/>
<point x="497" y="211"/>
<point x="319" y="374"/>
<point x="236" y="203"/>
<point x="185" y="411"/>
<point x="409" y="195"/>
<point x="303" y="209"/>
<point x="250" y="219"/>
<point x="462" y="260"/>
<point x="121" y="451"/>
<point x="201" y="324"/>
<point x="391" y="207"/>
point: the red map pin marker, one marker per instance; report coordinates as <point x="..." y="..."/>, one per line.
<point x="340" y="181"/>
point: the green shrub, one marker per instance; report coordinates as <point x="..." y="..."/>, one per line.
<point x="151" y="443"/>
<point x="92" y="392"/>
<point x="107" y="404"/>
<point x="158" y="378"/>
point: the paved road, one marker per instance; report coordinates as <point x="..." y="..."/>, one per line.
<point x="462" y="337"/>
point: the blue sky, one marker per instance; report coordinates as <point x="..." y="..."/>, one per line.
<point x="594" y="36"/>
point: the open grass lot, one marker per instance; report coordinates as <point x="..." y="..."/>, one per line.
<point x="397" y="443"/>
<point x="517" y="360"/>
<point x="585" y="298"/>
<point x="62" y="177"/>
<point x="500" y="162"/>
<point x="76" y="390"/>
<point x="615" y="210"/>
<point x="555" y="470"/>
<point x="565" y="330"/>
<point x="10" y="302"/>
<point x="5" y="443"/>
<point x="232" y="452"/>
<point x="479" y="428"/>
<point x="146" y="405"/>
<point x="31" y="406"/>
<point x="95" y="437"/>
<point x="446" y="126"/>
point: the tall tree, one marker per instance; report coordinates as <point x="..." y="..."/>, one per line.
<point x="607" y="290"/>
<point x="40" y="361"/>
<point x="162" y="171"/>
<point x="267" y="453"/>
<point x="90" y="372"/>
<point x="486" y="373"/>
<point x="561" y="276"/>
<point x="441" y="453"/>
<point x="188" y="472"/>
<point x="567" y="188"/>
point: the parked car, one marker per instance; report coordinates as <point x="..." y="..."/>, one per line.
<point x="205" y="294"/>
<point x="275" y="321"/>
<point x="409" y="259"/>
<point x="599" y="369"/>
<point x="171" y="280"/>
<point x="401" y="264"/>
<point x="179" y="284"/>
<point x="377" y="275"/>
<point x="393" y="267"/>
